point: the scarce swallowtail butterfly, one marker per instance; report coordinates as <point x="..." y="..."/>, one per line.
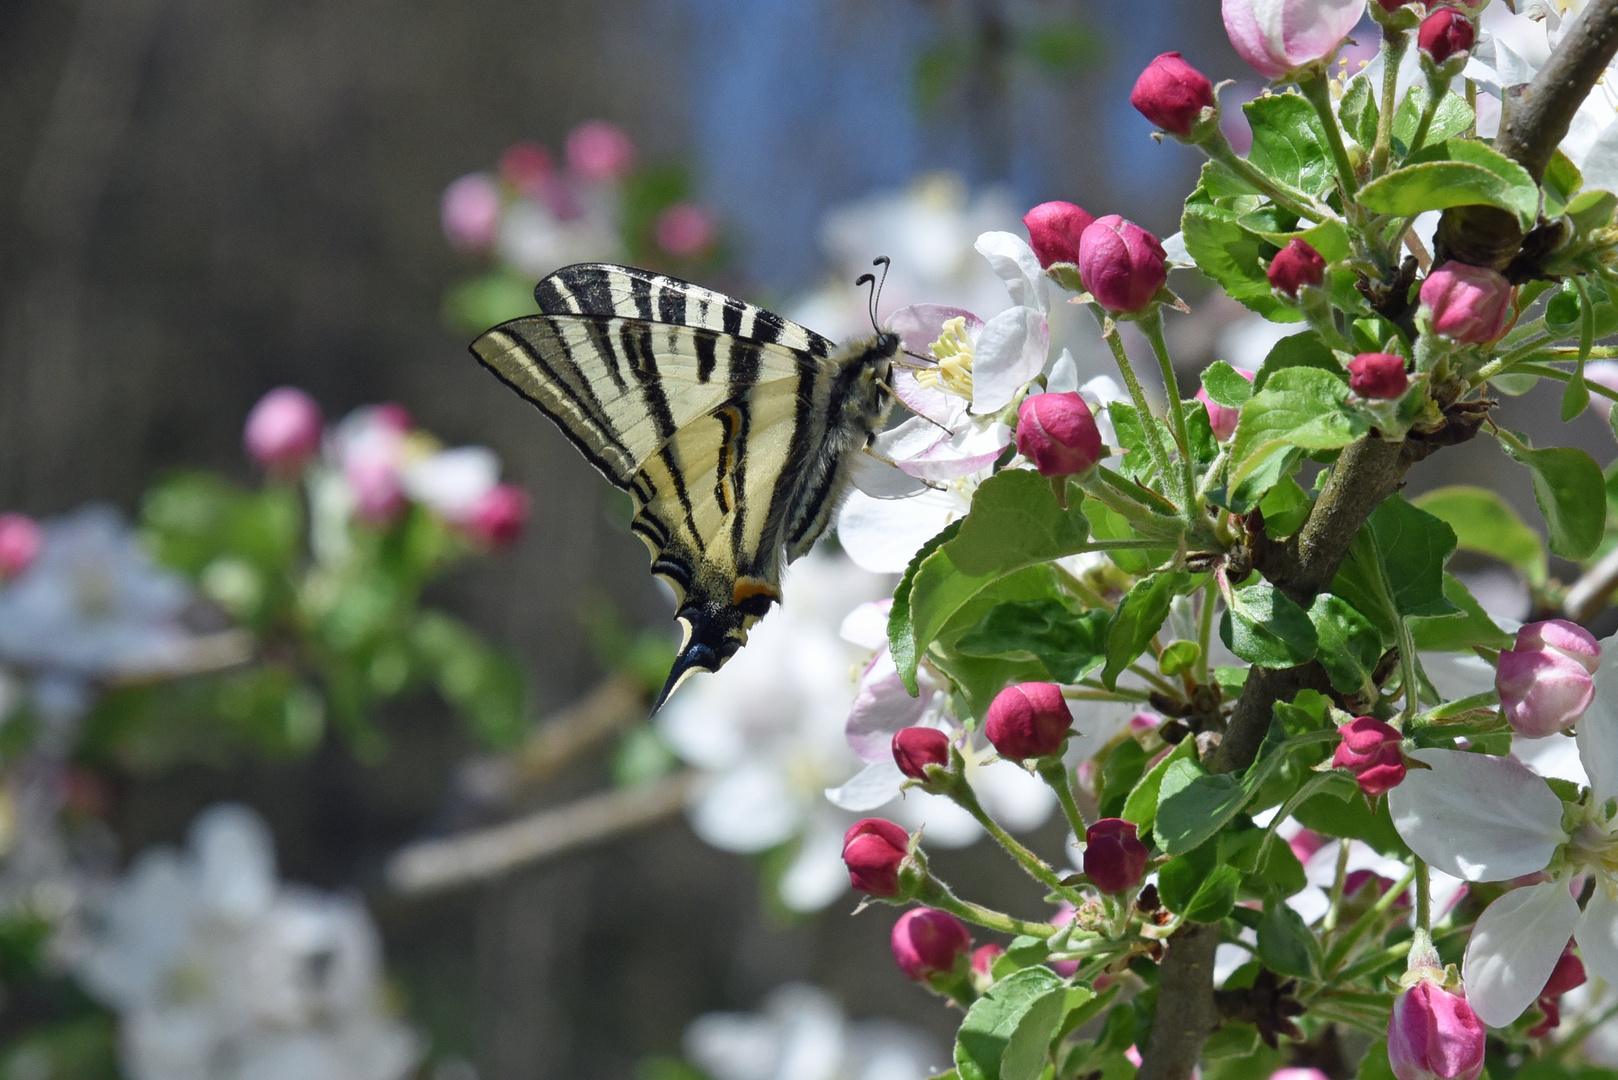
<point x="733" y="430"/>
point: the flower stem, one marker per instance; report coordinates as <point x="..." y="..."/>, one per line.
<point x="943" y="899"/>
<point x="1424" y="898"/>
<point x="1435" y="98"/>
<point x="1317" y="91"/>
<point x="1055" y="774"/>
<point x="1152" y="326"/>
<point x="1037" y="868"/>
<point x="1287" y="198"/>
<point x="1210" y="597"/>
<point x="1329" y="923"/>
<point x="1154" y="439"/>
<point x="1394" y="43"/>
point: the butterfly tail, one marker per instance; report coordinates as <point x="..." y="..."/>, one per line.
<point x="712" y="636"/>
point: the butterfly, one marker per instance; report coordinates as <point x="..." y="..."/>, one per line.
<point x="733" y="430"/>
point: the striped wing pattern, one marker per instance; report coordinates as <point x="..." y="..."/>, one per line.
<point x="729" y="426"/>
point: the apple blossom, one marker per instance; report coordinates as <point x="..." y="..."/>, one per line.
<point x="1434" y="1035"/>
<point x="1377" y="375"/>
<point x="928" y="942"/>
<point x="915" y="748"/>
<point x="1371" y="751"/>
<point x="526" y="167"/>
<point x="1054" y="229"/>
<point x="1114" y="857"/>
<point x="1122" y="265"/>
<point x="1295" y="266"/>
<point x="1545" y="681"/>
<point x="1172" y="94"/>
<point x="1279" y="36"/>
<point x="597" y="150"/>
<point x="1222" y="418"/>
<point x="470" y="212"/>
<point x="1029" y="720"/>
<point x="283" y="430"/>
<point x="685" y="230"/>
<point x="1058" y="433"/>
<point x="984" y="956"/>
<point x="1468" y="304"/>
<point x="498" y="517"/>
<point x="20" y="538"/>
<point x="873" y="848"/>
<point x="1445" y="33"/>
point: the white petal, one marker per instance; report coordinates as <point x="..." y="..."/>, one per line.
<point x="867" y="625"/>
<point x="1011" y="350"/>
<point x="1013" y="796"/>
<point x="1598" y="933"/>
<point x="1556" y="756"/>
<point x="882" y="707"/>
<point x="942" y="822"/>
<point x="969" y="450"/>
<point x="1598" y="728"/>
<point x="1016" y="264"/>
<point x="1444" y="891"/>
<point x="1176" y="255"/>
<point x="745" y="810"/>
<point x="915" y="436"/>
<point x="1310" y="904"/>
<point x="452" y="481"/>
<point x="869" y="788"/>
<point x="1514" y="948"/>
<point x="817" y="876"/>
<point x="880" y="480"/>
<point x="919" y="325"/>
<point x="1477" y="817"/>
<point x="941" y="406"/>
<point x="1064" y="376"/>
<point x="881" y="535"/>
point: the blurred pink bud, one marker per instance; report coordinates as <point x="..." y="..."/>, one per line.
<point x="915" y="748"/>
<point x="1058" y="433"/>
<point x="470" y="213"/>
<point x="1434" y="1035"/>
<point x="1568" y="973"/>
<point x="498" y="515"/>
<point x="1391" y="6"/>
<point x="1378" y="375"/>
<point x="1370" y="750"/>
<point x="1172" y="94"/>
<point x="527" y="166"/>
<point x="1122" y="265"/>
<point x="1602" y="373"/>
<point x="597" y="150"/>
<point x="1355" y="880"/>
<point x="1296" y="1073"/>
<point x="1114" y="857"/>
<point x="1144" y="721"/>
<point x="378" y="493"/>
<point x="1222" y="418"/>
<point x="1305" y="843"/>
<point x="1054" y="229"/>
<point x="283" y="430"/>
<point x="1546" y="680"/>
<point x="1277" y="36"/>
<point x="19" y="543"/>
<point x="392" y="416"/>
<point x="1064" y="915"/>
<point x="685" y="230"/>
<point x="1445" y="33"/>
<point x="927" y="942"/>
<point x="1029" y="720"/>
<point x="1468" y="304"/>
<point x="984" y="956"/>
<point x="1295" y="266"/>
<point x="873" y="848"/>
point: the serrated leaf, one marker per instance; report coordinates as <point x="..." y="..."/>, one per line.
<point x="1301" y="408"/>
<point x="1453" y="117"/>
<point x="1226" y="385"/>
<point x="1141" y="806"/>
<point x="1350" y="645"/>
<point x="1289" y="142"/>
<point x="1571" y="493"/>
<point x="1487" y="524"/>
<point x="1233" y="257"/>
<point x="901" y="627"/>
<point x="1458" y="172"/>
<point x="1470" y="628"/>
<point x="1070" y="645"/>
<point x="1266" y="628"/>
<point x="1395" y="566"/>
<point x="1285" y="944"/>
<point x="1137" y="620"/>
<point x="990" y="1023"/>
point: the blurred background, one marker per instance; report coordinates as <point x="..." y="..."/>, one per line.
<point x="202" y="200"/>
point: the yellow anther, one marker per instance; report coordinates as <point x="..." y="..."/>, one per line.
<point x="953" y="350"/>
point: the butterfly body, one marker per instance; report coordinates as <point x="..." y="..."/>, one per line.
<point x="733" y="429"/>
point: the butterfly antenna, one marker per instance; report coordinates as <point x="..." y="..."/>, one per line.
<point x="876" y="287"/>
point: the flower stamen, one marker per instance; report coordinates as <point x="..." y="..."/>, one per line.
<point x="953" y="350"/>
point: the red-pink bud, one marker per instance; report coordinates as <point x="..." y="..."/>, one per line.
<point x="1054" y="229"/>
<point x="685" y="230"/>
<point x="984" y="956"/>
<point x="1058" y="433"/>
<point x="1294" y="266"/>
<point x="1568" y="973"/>
<point x="1445" y="33"/>
<point x="470" y="212"/>
<point x="1550" y="1018"/>
<point x="597" y="150"/>
<point x="1355" y="880"/>
<point x="1370" y="750"/>
<point x="1222" y="418"/>
<point x="283" y="430"/>
<point x="927" y="942"/>
<point x="1114" y="857"/>
<point x="1028" y="720"/>
<point x="1545" y="681"/>
<point x="1172" y="94"/>
<point x="1468" y="304"/>
<point x="1434" y="1035"/>
<point x="873" y="848"/>
<point x="1121" y="264"/>
<point x="526" y="166"/>
<point x="498" y="516"/>
<point x="915" y="748"/>
<point x="1377" y="375"/>
<point x="1305" y="843"/>
<point x="19" y="544"/>
<point x="1390" y="6"/>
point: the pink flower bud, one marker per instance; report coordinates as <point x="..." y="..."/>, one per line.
<point x="283" y="430"/>
<point x="470" y="213"/>
<point x="1058" y="433"/>
<point x="1296" y="265"/>
<point x="1277" y="36"/>
<point x="1054" y="229"/>
<point x="597" y="150"/>
<point x="1468" y="304"/>
<point x="1306" y="843"/>
<point x="984" y="956"/>
<point x="1378" y="375"/>
<point x="915" y="748"/>
<point x="1434" y="1035"/>
<point x="1296" y="1073"/>
<point x="1114" y="857"/>
<point x="1545" y="681"/>
<point x="1172" y="94"/>
<point x="1568" y="973"/>
<point x="1121" y="264"/>
<point x="927" y="942"/>
<point x="685" y="230"/>
<point x="378" y="492"/>
<point x="873" y="848"/>
<point x="527" y="167"/>
<point x="1445" y="33"/>
<point x="498" y="515"/>
<point x="1220" y="417"/>
<point x="1370" y="750"/>
<point x="1355" y="880"/>
<point x="19" y="544"/>
<point x="1029" y="720"/>
<point x="1390" y="6"/>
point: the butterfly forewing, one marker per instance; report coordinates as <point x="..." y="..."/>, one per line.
<point x="729" y="429"/>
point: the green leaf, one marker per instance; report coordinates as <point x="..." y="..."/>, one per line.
<point x="1137" y="620"/>
<point x="1285" y="944"/>
<point x="901" y="626"/>
<point x="1395" y="566"/>
<point x="1296" y="350"/>
<point x="1285" y="507"/>
<point x="1016" y="522"/>
<point x="1592" y="210"/>
<point x="1179" y="657"/>
<point x="1298" y="408"/>
<point x="993" y="1019"/>
<point x="1137" y="459"/>
<point x="1453" y="117"/>
<point x="1289" y="142"/>
<point x="1120" y="772"/>
<point x="1340" y="810"/>
<point x="1561" y="182"/>
<point x="1458" y="172"/>
<point x="1358" y="111"/>
<point x="1141" y="806"/>
<point x="1487" y="524"/>
<point x="1571" y="494"/>
<point x="1471" y="628"/>
<point x="1192" y="805"/>
<point x="1234" y="1039"/>
<point x="1226" y="385"/>
<point x="1375" y="1064"/>
<point x="1068" y="644"/>
<point x="1349" y="645"/>
<point x="1233" y="257"/>
<point x="980" y="678"/>
<point x="1028" y="1052"/>
<point x="1305" y="713"/>
<point x="1197" y="886"/>
<point x="1265" y="627"/>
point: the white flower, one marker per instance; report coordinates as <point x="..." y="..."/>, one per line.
<point x="802" y="1034"/>
<point x="450" y="482"/>
<point x="1494" y="819"/>
<point x="206" y="958"/>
